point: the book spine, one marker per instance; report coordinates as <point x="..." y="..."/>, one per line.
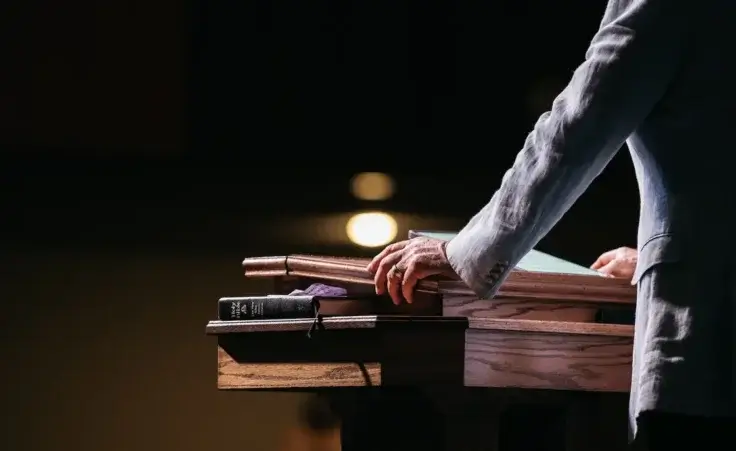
<point x="265" y="307"/>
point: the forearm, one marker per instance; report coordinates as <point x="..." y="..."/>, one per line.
<point x="628" y="67"/>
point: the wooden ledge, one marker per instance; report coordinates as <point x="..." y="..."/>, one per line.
<point x="337" y="323"/>
<point x="552" y="327"/>
<point x="554" y="288"/>
<point x="424" y="322"/>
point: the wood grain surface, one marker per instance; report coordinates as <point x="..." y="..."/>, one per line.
<point x="553" y="327"/>
<point x="492" y="352"/>
<point x="394" y="322"/>
<point x="566" y="361"/>
<point x="234" y="375"/>
<point x="516" y="308"/>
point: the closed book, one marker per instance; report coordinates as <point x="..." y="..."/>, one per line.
<point x="305" y="306"/>
<point x="266" y="307"/>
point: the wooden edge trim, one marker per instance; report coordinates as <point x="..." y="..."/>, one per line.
<point x="330" y="323"/>
<point x="552" y="327"/>
<point x="549" y="291"/>
<point x="373" y="321"/>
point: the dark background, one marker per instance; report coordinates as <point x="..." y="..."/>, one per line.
<point x="148" y="146"/>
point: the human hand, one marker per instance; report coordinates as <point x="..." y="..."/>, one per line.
<point x="619" y="262"/>
<point x="401" y="265"/>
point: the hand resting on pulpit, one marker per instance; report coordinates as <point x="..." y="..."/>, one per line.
<point x="619" y="263"/>
<point x="401" y="265"/>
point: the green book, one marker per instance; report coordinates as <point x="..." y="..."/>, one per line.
<point x="535" y="261"/>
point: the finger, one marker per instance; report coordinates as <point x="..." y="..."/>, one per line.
<point x="394" y="286"/>
<point x="604" y="259"/>
<point x="622" y="270"/>
<point x="390" y="249"/>
<point x="383" y="270"/>
<point x="612" y="269"/>
<point x="413" y="274"/>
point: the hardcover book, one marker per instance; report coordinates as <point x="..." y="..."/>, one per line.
<point x="325" y="300"/>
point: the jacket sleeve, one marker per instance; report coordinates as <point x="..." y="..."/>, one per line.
<point x="627" y="69"/>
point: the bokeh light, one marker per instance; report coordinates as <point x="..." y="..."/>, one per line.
<point x="372" y="229"/>
<point x="372" y="186"/>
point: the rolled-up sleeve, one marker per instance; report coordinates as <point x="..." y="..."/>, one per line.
<point x="628" y="67"/>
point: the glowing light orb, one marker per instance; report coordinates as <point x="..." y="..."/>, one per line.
<point x="371" y="229"/>
<point x="372" y="186"/>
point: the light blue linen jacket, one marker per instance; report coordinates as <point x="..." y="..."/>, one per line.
<point x="660" y="74"/>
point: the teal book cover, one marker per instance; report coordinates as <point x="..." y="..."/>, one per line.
<point x="535" y="260"/>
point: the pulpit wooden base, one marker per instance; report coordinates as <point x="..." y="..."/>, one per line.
<point x="444" y="383"/>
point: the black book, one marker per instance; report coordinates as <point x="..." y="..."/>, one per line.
<point x="321" y="299"/>
<point x="305" y="306"/>
<point x="267" y="307"/>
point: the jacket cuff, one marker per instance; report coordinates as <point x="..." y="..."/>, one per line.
<point x="476" y="264"/>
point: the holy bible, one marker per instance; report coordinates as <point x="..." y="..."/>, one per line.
<point x="317" y="299"/>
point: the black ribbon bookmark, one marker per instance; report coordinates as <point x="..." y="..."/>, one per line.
<point x="364" y="373"/>
<point x="317" y="322"/>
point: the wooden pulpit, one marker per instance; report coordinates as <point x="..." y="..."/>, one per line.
<point x="534" y="368"/>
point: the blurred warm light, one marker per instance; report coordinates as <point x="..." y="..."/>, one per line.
<point x="372" y="186"/>
<point x="371" y="229"/>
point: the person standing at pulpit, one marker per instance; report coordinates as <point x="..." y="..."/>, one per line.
<point x="661" y="76"/>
